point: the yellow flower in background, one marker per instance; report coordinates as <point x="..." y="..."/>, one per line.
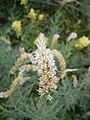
<point x="23" y="2"/>
<point x="41" y="17"/>
<point x="82" y="43"/>
<point x="32" y="14"/>
<point x="16" y="26"/>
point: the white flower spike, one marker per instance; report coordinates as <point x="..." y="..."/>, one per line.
<point x="44" y="60"/>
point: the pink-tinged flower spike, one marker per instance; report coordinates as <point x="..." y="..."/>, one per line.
<point x="44" y="60"/>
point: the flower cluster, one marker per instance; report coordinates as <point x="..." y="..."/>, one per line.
<point x="44" y="60"/>
<point x="40" y="17"/>
<point x="4" y="94"/>
<point x="33" y="15"/>
<point x="17" y="27"/>
<point x="23" y="2"/>
<point x="82" y="43"/>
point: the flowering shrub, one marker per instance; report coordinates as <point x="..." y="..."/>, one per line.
<point x="44" y="60"/>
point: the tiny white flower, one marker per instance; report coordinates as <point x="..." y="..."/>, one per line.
<point x="4" y="94"/>
<point x="72" y="36"/>
<point x="56" y="36"/>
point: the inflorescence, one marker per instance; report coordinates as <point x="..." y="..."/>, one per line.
<point x="42" y="60"/>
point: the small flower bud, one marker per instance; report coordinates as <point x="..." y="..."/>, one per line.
<point x="41" y="17"/>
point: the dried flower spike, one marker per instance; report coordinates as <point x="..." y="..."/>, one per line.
<point x="62" y="63"/>
<point x="22" y="69"/>
<point x="54" y="40"/>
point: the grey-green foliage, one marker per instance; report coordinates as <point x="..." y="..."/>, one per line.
<point x="7" y="59"/>
<point x="68" y="103"/>
<point x="28" y="36"/>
